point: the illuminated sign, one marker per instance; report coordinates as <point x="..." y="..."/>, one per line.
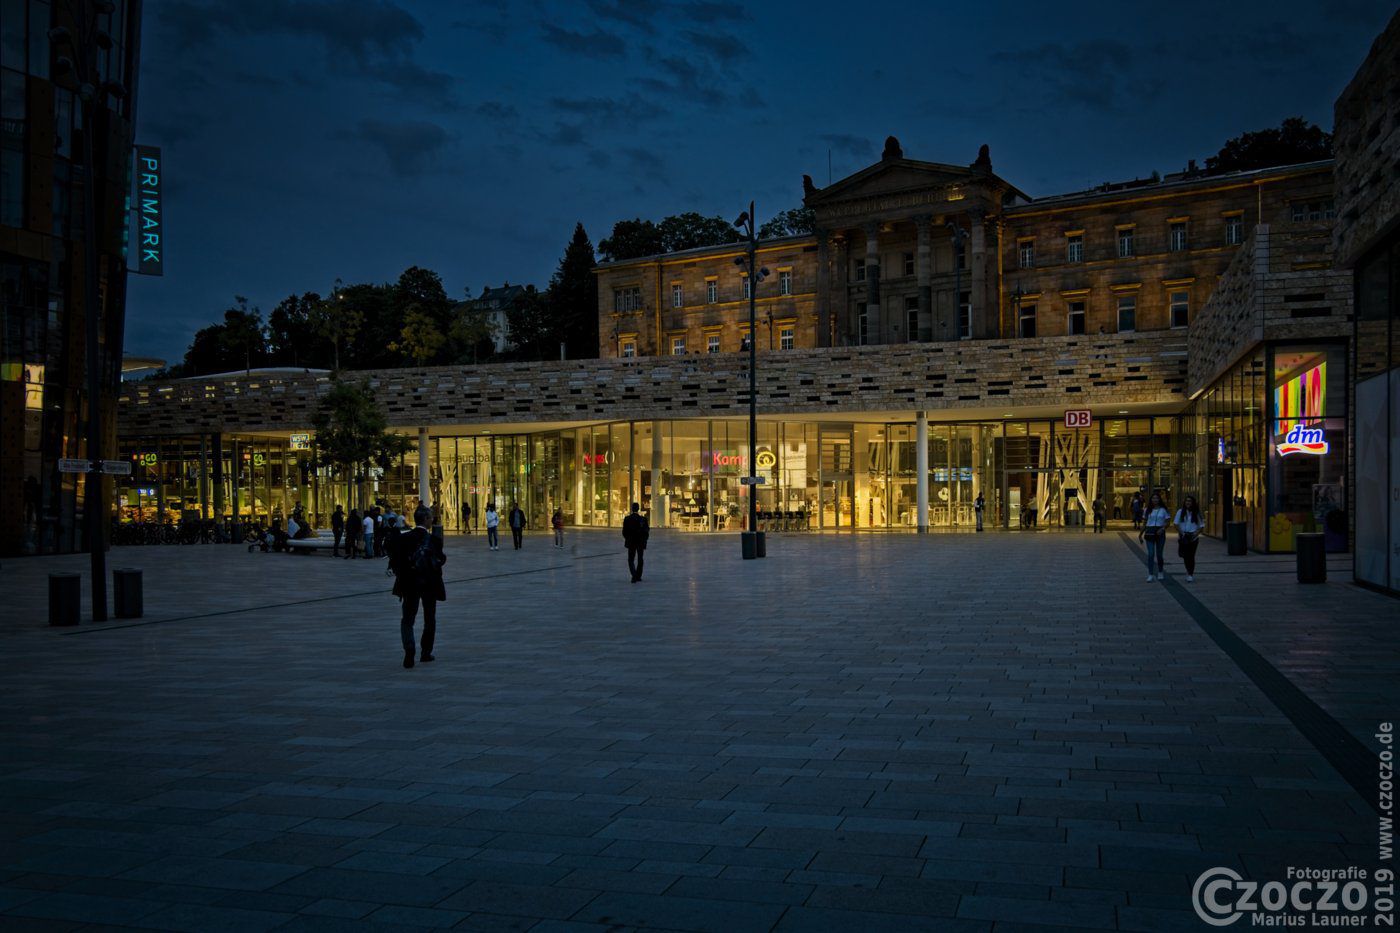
<point x="721" y="460"/>
<point x="1079" y="418"/>
<point x="766" y="460"/>
<point x="1301" y="399"/>
<point x="1301" y="440"/>
<point x="595" y="459"/>
<point x="301" y="442"/>
<point x="1220" y="450"/>
<point x="144" y="459"/>
<point x="150" y="196"/>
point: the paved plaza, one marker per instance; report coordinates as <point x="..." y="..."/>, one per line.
<point x="1000" y="732"/>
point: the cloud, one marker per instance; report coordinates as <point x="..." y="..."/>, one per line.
<point x="564" y="134"/>
<point x="412" y="147"/>
<point x="726" y="48"/>
<point x="704" y="12"/>
<point x="630" y="109"/>
<point x="498" y="112"/>
<point x="698" y="81"/>
<point x="1097" y="74"/>
<point x="639" y="14"/>
<point x="595" y="44"/>
<point x="848" y="145"/>
<point x="644" y="160"/>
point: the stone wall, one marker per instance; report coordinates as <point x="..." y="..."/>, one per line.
<point x="1056" y="372"/>
<point x="1367" y="146"/>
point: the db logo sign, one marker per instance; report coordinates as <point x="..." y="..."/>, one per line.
<point x="1079" y="419"/>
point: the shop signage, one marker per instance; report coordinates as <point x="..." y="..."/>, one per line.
<point x="595" y="459"/>
<point x="150" y="196"/>
<point x="1079" y="418"/>
<point x="301" y="442"/>
<point x="71" y="465"/>
<point x="766" y="460"/>
<point x="145" y="459"/>
<point x="116" y="467"/>
<point x="752" y="481"/>
<point x="1301" y="440"/>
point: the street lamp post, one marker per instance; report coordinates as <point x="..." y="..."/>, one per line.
<point x="751" y="539"/>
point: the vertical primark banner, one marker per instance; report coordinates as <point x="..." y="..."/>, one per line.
<point x="150" y="197"/>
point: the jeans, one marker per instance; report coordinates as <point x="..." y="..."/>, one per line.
<point x="1156" y="541"/>
<point x="515" y="534"/>
<point x="636" y="560"/>
<point x="491" y="539"/>
<point x="559" y="537"/>
<point x="1188" y="552"/>
<point x="1100" y="523"/>
<point x="410" y="609"/>
<point x="336" y="549"/>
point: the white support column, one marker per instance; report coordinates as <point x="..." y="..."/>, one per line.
<point x="921" y="467"/>
<point x="425" y="490"/>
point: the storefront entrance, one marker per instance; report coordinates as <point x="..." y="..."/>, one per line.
<point x="836" y="477"/>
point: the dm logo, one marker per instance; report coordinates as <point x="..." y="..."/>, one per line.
<point x="1301" y="440"/>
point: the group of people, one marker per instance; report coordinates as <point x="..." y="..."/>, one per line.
<point x="1188" y="522"/>
<point x="366" y="534"/>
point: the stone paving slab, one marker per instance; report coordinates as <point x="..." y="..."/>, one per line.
<point x="886" y="732"/>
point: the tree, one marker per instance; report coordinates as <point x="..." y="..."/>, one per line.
<point x="1294" y="141"/>
<point x="691" y="230"/>
<point x="238" y="341"/>
<point x="291" y="332"/>
<point x="573" y="297"/>
<point x="631" y="239"/>
<point x="472" y="333"/>
<point x="421" y="338"/>
<point x="791" y="222"/>
<point x="335" y="318"/>
<point x="352" y="433"/>
<point x="534" y="330"/>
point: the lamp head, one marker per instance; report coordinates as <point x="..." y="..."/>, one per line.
<point x="738" y="260"/>
<point x="742" y="220"/>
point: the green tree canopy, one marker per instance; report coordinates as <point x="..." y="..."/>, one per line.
<point x="691" y="230"/>
<point x="352" y="431"/>
<point x="631" y="239"/>
<point x="534" y="329"/>
<point x="791" y="222"/>
<point x="291" y="332"/>
<point x="1294" y="141"/>
<point x="573" y="297"/>
<point x="337" y="319"/>
<point x="238" y="342"/>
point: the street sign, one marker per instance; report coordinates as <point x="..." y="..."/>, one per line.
<point x="1079" y="418"/>
<point x="70" y="465"/>
<point x="116" y="467"/>
<point x="751" y="481"/>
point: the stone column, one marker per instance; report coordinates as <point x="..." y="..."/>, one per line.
<point x="977" y="272"/>
<point x="823" y="289"/>
<point x="874" y="332"/>
<point x="923" y="266"/>
<point x="425" y="490"/>
<point x="921" y="468"/>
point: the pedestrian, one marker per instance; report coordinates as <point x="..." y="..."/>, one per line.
<point x="337" y="529"/>
<point x="979" y="506"/>
<point x="558" y="523"/>
<point x="354" y="531"/>
<point x="416" y="558"/>
<point x="1154" y="533"/>
<point x="1100" y="514"/>
<point x="493" y="519"/>
<point x="635" y="532"/>
<point x="1188" y="523"/>
<point x="367" y="533"/>
<point x="381" y="531"/>
<point x="466" y="519"/>
<point x="516" y="520"/>
<point x="1136" y="507"/>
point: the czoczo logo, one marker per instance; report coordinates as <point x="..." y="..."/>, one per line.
<point x="1221" y="896"/>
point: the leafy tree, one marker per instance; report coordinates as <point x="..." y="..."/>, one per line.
<point x="573" y="297"/>
<point x="472" y="333"/>
<point x="421" y="338"/>
<point x="291" y="333"/>
<point x="336" y="318"/>
<point x="381" y="320"/>
<point x="239" y="340"/>
<point x="691" y="230"/>
<point x="631" y="239"/>
<point x="352" y="433"/>
<point x="790" y="222"/>
<point x="534" y="329"/>
<point x="421" y="289"/>
<point x="1294" y="141"/>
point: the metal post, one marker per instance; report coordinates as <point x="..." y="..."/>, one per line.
<point x="93" y="505"/>
<point x="921" y="468"/>
<point x="753" y="375"/>
<point x="425" y="488"/>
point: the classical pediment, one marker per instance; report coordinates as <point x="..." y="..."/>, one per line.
<point x="895" y="176"/>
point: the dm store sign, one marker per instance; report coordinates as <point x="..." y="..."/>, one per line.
<point x="1301" y="440"/>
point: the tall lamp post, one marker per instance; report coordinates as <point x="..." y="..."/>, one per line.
<point x="84" y="42"/>
<point x="751" y="539"/>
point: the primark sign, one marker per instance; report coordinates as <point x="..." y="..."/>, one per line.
<point x="150" y="202"/>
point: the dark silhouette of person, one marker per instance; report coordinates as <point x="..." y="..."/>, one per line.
<point x="337" y="529"/>
<point x="635" y="532"/>
<point x="516" y="520"/>
<point x="416" y="558"/>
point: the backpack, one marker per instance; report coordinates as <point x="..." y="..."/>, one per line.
<point x="423" y="564"/>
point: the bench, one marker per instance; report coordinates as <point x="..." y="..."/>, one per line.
<point x="307" y="545"/>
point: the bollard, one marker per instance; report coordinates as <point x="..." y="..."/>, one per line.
<point x="761" y="544"/>
<point x="127" y="596"/>
<point x="747" y="545"/>
<point x="1236" y="540"/>
<point x="65" y="598"/>
<point x="1312" y="557"/>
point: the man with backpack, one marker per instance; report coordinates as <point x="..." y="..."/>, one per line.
<point x="416" y="559"/>
<point x="516" y="520"/>
<point x="635" y="532"/>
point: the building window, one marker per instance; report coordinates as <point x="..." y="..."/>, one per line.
<point x="960" y="255"/>
<point x="862" y="325"/>
<point x="712" y="343"/>
<point x="1074" y="248"/>
<point x="787" y="339"/>
<point x="629" y="349"/>
<point x="911" y="318"/>
<point x="784" y="282"/>
<point x="1176" y="236"/>
<point x="860" y="270"/>
<point x="965" y="316"/>
<point x="1234" y="230"/>
<point x="1076" y="317"/>
<point x="712" y="291"/>
<point x="1313" y="210"/>
<point x="1027" y="321"/>
<point x="1181" y="308"/>
<point x="1127" y="313"/>
<point x="677" y="296"/>
<point x="678" y="346"/>
<point x="908" y="263"/>
<point x="1026" y="250"/>
<point x="748" y="286"/>
<point x="627" y="299"/>
<point x="1125" y="243"/>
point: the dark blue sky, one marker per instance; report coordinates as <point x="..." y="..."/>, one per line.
<point x="307" y="140"/>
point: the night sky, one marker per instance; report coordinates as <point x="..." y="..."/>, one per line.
<point x="307" y="140"/>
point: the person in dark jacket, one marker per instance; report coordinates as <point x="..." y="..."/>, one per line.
<point x="337" y="529"/>
<point x="354" y="531"/>
<point x="516" y="519"/>
<point x="416" y="558"/>
<point x="635" y="532"/>
<point x="466" y="518"/>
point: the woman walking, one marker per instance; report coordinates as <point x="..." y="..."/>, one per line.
<point x="493" y="520"/>
<point x="1188" y="534"/>
<point x="558" y="522"/>
<point x="1154" y="533"/>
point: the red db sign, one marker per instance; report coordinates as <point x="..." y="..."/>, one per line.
<point x="1079" y="419"/>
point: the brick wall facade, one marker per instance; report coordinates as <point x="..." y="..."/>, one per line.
<point x="1367" y="146"/>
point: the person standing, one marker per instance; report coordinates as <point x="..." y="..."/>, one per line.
<point x="1154" y="533"/>
<point x="337" y="529"/>
<point x="1188" y="523"/>
<point x="635" y="532"/>
<point x="979" y="506"/>
<point x="493" y="520"/>
<point x="466" y="518"/>
<point x="1136" y="507"/>
<point x="1100" y="514"/>
<point x="558" y="524"/>
<point x="354" y="529"/>
<point x="367" y="525"/>
<point x="517" y="524"/>
<point x="416" y="558"/>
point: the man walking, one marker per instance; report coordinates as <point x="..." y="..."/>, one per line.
<point x="416" y="558"/>
<point x="466" y="518"/>
<point x="635" y="532"/>
<point x="367" y="532"/>
<point x="337" y="529"/>
<point x="979" y="506"/>
<point x="517" y="524"/>
<point x="1100" y="515"/>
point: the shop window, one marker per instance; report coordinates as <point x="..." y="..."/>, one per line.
<point x="1180" y="308"/>
<point x="1127" y="313"/>
<point x="787" y="338"/>
<point x="1027" y="321"/>
<point x="1076" y="318"/>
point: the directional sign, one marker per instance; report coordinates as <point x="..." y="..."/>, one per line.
<point x="70" y="465"/>
<point x="116" y="467"/>
<point x="752" y="481"/>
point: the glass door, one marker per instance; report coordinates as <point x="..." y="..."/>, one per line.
<point x="836" y="476"/>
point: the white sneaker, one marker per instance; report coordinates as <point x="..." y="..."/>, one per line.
<point x="1190" y="578"/>
<point x="1150" y="578"/>
<point x="1162" y="577"/>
